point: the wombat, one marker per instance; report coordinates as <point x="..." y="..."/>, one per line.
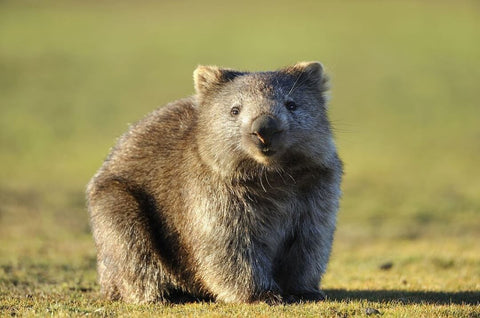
<point x="229" y="195"/>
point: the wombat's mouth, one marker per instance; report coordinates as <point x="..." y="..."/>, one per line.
<point x="266" y="145"/>
<point x="268" y="152"/>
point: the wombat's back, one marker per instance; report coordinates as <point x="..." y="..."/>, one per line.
<point x="152" y="142"/>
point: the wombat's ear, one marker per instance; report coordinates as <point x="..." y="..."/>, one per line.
<point x="210" y="77"/>
<point x="311" y="71"/>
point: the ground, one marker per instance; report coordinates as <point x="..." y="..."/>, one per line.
<point x="404" y="105"/>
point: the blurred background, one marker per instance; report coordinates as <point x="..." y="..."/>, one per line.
<point x="405" y="108"/>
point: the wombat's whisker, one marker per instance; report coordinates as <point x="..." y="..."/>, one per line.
<point x="294" y="83"/>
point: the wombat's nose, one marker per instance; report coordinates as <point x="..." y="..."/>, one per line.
<point x="264" y="127"/>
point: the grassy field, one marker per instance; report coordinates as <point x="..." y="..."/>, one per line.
<point x="404" y="105"/>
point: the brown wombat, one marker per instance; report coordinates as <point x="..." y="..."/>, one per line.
<point x="229" y="195"/>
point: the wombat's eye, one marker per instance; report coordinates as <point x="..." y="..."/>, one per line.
<point x="235" y="111"/>
<point x="290" y="105"/>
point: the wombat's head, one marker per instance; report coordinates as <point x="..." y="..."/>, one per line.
<point x="248" y="121"/>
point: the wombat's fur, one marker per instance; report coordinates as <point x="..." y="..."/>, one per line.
<point x="229" y="195"/>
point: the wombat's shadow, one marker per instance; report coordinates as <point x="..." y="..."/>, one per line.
<point x="378" y="296"/>
<point x="406" y="297"/>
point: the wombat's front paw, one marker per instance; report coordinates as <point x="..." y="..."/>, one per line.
<point x="270" y="297"/>
<point x="305" y="297"/>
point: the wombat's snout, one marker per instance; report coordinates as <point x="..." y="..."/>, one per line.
<point x="264" y="129"/>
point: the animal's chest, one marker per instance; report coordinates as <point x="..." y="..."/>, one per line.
<point x="258" y="218"/>
<point x="273" y="220"/>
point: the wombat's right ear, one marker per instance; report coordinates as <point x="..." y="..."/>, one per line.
<point x="211" y="77"/>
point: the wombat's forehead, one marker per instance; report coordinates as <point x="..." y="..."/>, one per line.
<point x="266" y="84"/>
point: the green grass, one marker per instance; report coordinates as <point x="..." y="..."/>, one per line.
<point x="404" y="105"/>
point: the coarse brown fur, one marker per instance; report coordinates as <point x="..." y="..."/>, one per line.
<point x="229" y="195"/>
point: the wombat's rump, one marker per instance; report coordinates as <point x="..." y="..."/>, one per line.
<point x="230" y="195"/>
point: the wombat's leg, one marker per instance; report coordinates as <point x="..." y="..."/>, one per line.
<point x="129" y="266"/>
<point x="235" y="269"/>
<point x="306" y="254"/>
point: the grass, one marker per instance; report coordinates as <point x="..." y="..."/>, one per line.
<point x="404" y="106"/>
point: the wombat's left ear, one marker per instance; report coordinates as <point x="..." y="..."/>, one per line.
<point x="312" y="71"/>
<point x="211" y="77"/>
